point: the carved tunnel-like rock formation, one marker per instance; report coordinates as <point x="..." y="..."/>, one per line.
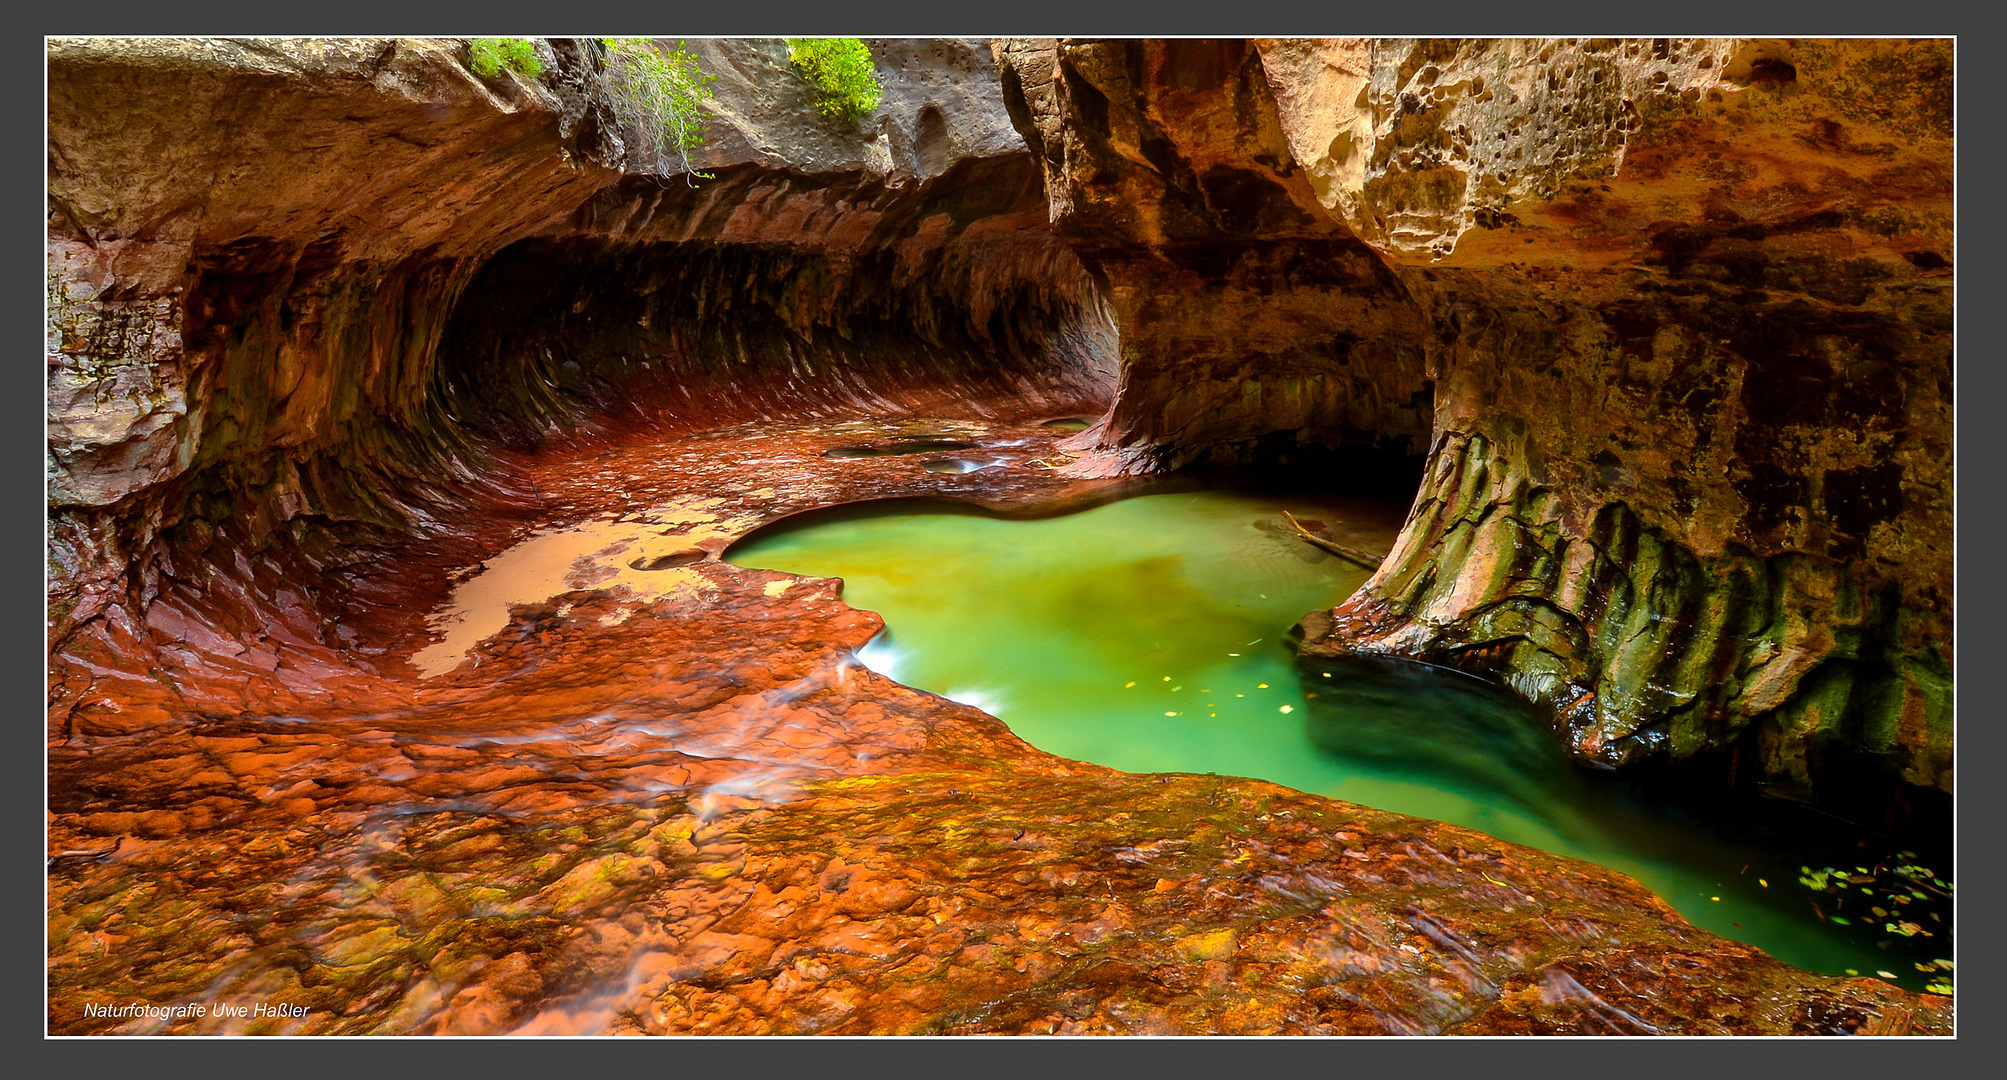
<point x="336" y="323"/>
<point x="1671" y="318"/>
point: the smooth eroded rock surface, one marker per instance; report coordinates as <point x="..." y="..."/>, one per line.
<point x="350" y="351"/>
<point x="694" y="813"/>
<point x="1671" y="318"/>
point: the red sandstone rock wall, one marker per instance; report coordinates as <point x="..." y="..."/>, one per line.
<point x="1681" y="310"/>
<point x="258" y="249"/>
<point x="253" y="247"/>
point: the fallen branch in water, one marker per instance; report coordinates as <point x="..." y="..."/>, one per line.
<point x="1369" y="561"/>
<point x="90" y="856"/>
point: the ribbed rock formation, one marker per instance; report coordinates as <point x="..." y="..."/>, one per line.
<point x="247" y="327"/>
<point x="1682" y="310"/>
<point x="243" y="321"/>
<point x="313" y="301"/>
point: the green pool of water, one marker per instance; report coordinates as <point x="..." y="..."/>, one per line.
<point x="1149" y="635"/>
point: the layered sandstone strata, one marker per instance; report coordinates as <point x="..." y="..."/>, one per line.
<point x="258" y="247"/>
<point x="307" y="296"/>
<point x="1672" y="319"/>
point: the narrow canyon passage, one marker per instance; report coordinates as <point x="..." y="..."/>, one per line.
<point x="1118" y="537"/>
<point x="661" y="793"/>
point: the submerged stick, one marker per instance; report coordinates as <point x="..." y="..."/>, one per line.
<point x="92" y="856"/>
<point x="1369" y="561"/>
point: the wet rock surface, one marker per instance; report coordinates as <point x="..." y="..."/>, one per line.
<point x="698" y="814"/>
<point x="658" y="794"/>
<point x="1670" y="316"/>
<point x="250" y="337"/>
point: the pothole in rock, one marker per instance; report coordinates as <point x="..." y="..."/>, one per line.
<point x="1068" y="423"/>
<point x="1151" y="634"/>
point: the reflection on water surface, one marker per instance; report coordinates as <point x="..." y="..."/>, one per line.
<point x="1149" y="635"/>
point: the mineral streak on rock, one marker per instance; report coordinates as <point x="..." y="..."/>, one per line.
<point x="1672" y="319"/>
<point x="1250" y="321"/>
<point x="253" y="248"/>
<point x="251" y="335"/>
<point x="334" y="323"/>
<point x="700" y="815"/>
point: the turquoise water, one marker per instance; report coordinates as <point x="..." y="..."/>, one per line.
<point x="1149" y="635"/>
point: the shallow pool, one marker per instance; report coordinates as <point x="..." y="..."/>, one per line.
<point x="1149" y="635"/>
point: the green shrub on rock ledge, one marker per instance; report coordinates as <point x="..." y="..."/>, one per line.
<point x="657" y="93"/>
<point x="841" y="68"/>
<point x="487" y="56"/>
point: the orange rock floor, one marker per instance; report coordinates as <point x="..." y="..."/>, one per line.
<point x="684" y="808"/>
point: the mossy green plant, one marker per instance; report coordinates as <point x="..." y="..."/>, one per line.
<point x="489" y="56"/>
<point x="842" y="70"/>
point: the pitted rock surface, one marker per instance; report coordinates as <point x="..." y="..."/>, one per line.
<point x="1670" y="317"/>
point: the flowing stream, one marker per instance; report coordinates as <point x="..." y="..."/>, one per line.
<point x="1149" y="635"/>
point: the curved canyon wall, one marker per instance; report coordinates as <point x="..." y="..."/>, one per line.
<point x="1672" y="319"/>
<point x="821" y="264"/>
<point x="242" y="321"/>
<point x="302" y="291"/>
<point x="310" y="299"/>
